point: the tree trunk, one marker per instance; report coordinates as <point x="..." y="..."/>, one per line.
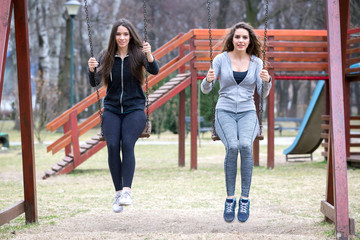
<point x="13" y="77"/>
<point x="84" y="86"/>
<point x="282" y="97"/>
<point x="223" y="9"/>
<point x="252" y="12"/>
<point x="48" y="61"/>
<point x="294" y="101"/>
<point x="112" y="18"/>
<point x="64" y="77"/>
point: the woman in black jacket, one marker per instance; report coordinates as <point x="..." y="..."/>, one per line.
<point x="121" y="67"/>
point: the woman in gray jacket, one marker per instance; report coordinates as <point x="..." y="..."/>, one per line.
<point x="240" y="70"/>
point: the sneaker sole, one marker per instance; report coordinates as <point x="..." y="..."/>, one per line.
<point x="229" y="221"/>
<point x="124" y="204"/>
<point x="243" y="221"/>
<point x="118" y="211"/>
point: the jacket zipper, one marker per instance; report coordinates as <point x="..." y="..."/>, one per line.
<point x="122" y="85"/>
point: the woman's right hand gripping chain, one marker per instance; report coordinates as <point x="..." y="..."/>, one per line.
<point x="92" y="64"/>
<point x="210" y="75"/>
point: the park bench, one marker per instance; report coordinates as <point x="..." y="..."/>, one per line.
<point x="204" y="126"/>
<point x="4" y="140"/>
<point x="279" y="127"/>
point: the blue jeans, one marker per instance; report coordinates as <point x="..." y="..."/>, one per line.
<point x="237" y="131"/>
<point x="121" y="133"/>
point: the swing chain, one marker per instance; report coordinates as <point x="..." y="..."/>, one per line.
<point x="263" y="56"/>
<point x="146" y="74"/>
<point x="211" y="64"/>
<point x="145" y="21"/>
<point x="265" y="30"/>
<point x="210" y="38"/>
<point x="92" y="55"/>
<point x="89" y="28"/>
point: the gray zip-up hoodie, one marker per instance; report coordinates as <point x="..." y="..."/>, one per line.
<point x="235" y="97"/>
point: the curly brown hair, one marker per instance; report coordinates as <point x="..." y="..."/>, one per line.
<point x="136" y="56"/>
<point x="255" y="45"/>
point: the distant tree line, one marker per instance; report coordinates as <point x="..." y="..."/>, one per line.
<point x="49" y="29"/>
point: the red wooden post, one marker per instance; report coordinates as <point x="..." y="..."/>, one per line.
<point x="337" y="120"/>
<point x="327" y="112"/>
<point x="5" y="21"/>
<point x="256" y="152"/>
<point x="75" y="138"/>
<point x="256" y="145"/>
<point x="27" y="131"/>
<point x="181" y="117"/>
<point x="193" y="109"/>
<point x="330" y="173"/>
<point x="344" y="23"/>
<point x="347" y="115"/>
<point x="181" y="161"/>
<point x="66" y="127"/>
<point x="271" y="125"/>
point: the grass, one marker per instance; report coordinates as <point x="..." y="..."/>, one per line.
<point x="295" y="188"/>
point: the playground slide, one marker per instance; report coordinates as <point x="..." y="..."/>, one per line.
<point x="309" y="136"/>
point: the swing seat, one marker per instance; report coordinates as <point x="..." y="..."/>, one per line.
<point x="214" y="135"/>
<point x="145" y="134"/>
<point x="147" y="130"/>
<point x="102" y="138"/>
<point x="260" y="136"/>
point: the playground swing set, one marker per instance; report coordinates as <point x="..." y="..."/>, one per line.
<point x="147" y="130"/>
<point x="283" y="55"/>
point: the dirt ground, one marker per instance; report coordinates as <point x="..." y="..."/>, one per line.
<point x="176" y="224"/>
<point x="278" y="208"/>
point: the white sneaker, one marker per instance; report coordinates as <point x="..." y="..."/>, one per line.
<point x="116" y="205"/>
<point x="125" y="198"/>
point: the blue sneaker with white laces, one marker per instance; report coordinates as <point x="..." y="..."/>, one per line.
<point x="229" y="212"/>
<point x="244" y="210"/>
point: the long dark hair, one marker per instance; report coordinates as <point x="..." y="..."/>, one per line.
<point x="136" y="56"/>
<point x="255" y="45"/>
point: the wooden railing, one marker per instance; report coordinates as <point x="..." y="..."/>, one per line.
<point x="353" y="51"/>
<point x="288" y="51"/>
<point x="354" y="135"/>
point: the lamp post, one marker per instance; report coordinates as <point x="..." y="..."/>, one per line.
<point x="72" y="7"/>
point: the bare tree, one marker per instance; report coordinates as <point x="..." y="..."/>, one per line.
<point x="221" y="17"/>
<point x="47" y="21"/>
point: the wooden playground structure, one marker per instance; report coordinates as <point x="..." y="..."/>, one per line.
<point x="29" y="204"/>
<point x="292" y="54"/>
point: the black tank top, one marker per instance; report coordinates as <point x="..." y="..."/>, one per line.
<point x="239" y="76"/>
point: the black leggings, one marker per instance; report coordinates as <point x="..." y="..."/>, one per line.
<point x="121" y="133"/>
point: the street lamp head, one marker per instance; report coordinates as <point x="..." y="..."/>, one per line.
<point x="72" y="7"/>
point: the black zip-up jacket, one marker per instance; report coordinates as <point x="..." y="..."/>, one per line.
<point x="124" y="92"/>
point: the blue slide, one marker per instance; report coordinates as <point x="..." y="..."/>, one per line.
<point x="309" y="138"/>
